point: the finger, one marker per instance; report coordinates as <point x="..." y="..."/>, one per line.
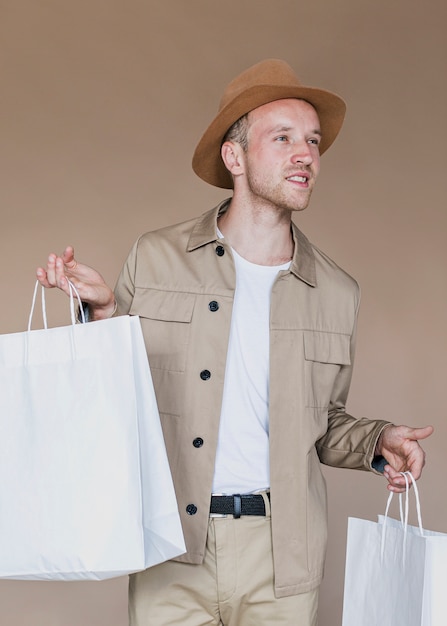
<point x="68" y="258"/>
<point x="60" y="276"/>
<point x="396" y="488"/>
<point x="415" y="466"/>
<point x="391" y="474"/>
<point x="396" y="482"/>
<point x="394" y="477"/>
<point x="42" y="277"/>
<point x="54" y="276"/>
<point x="413" y="463"/>
<point x="51" y="270"/>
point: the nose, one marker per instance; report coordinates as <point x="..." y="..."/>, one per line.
<point x="302" y="153"/>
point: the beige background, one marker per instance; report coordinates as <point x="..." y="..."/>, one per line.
<point x="102" y="103"/>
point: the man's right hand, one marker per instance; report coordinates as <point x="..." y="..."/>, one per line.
<point x="88" y="282"/>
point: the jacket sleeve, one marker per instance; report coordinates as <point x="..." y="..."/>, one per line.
<point x="349" y="442"/>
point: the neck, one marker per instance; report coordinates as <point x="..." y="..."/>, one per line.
<point x="261" y="236"/>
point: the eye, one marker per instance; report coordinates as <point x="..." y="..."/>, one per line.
<point x="281" y="138"/>
<point x="315" y="141"/>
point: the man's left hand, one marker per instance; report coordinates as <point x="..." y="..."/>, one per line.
<point x="399" y="445"/>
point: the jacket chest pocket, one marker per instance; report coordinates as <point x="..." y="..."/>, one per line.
<point x="324" y="355"/>
<point x="166" y="321"/>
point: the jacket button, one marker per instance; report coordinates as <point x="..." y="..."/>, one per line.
<point x="220" y="250"/>
<point x="198" y="442"/>
<point x="213" y="306"/>
<point x="191" y="509"/>
<point x="205" y="374"/>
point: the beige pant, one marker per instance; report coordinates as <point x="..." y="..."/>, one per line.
<point x="233" y="587"/>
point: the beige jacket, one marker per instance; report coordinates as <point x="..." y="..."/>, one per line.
<point x="180" y="280"/>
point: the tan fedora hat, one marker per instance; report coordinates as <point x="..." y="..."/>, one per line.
<point x="269" y="80"/>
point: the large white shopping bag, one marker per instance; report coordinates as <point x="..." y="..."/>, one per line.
<point x="85" y="486"/>
<point x="396" y="574"/>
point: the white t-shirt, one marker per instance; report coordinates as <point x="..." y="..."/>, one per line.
<point x="242" y="460"/>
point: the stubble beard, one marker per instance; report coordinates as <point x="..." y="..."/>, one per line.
<point x="267" y="192"/>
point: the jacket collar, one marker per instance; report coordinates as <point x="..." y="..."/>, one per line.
<point x="303" y="261"/>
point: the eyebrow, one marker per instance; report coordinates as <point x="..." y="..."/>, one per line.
<point x="284" y="128"/>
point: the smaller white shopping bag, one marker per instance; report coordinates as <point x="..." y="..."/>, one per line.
<point x="434" y="596"/>
<point x="86" y="491"/>
<point x="395" y="573"/>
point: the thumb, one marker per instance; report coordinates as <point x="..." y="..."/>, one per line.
<point x="68" y="255"/>
<point x="420" y="433"/>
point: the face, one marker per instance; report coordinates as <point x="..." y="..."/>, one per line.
<point x="282" y="160"/>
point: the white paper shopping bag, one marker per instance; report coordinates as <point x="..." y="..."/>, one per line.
<point x="396" y="574"/>
<point x="85" y="487"/>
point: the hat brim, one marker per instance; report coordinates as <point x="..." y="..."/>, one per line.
<point x="207" y="161"/>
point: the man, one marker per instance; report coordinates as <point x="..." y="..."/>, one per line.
<point x="250" y="333"/>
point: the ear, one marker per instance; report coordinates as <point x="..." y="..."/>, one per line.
<point x="233" y="157"/>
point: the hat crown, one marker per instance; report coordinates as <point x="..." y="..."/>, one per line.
<point x="269" y="72"/>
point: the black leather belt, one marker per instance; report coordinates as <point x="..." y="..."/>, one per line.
<point x="237" y="505"/>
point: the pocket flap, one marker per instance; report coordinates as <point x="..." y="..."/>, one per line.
<point x="327" y="347"/>
<point x="160" y="305"/>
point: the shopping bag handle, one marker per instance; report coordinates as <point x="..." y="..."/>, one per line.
<point x="403" y="511"/>
<point x="73" y="292"/>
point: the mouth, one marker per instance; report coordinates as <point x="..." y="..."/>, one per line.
<point x="301" y="178"/>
